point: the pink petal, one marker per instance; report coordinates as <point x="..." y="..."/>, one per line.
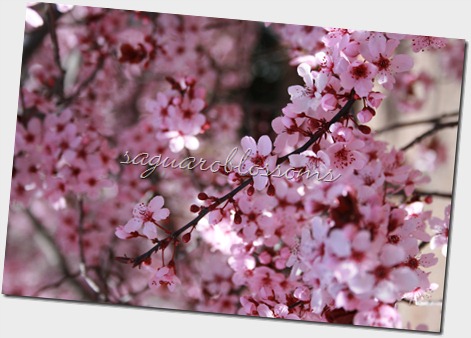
<point x="248" y="143"/>
<point x="402" y="63"/>
<point x="156" y="203"/>
<point x="363" y="87"/>
<point x="405" y="279"/>
<point x="150" y="230"/>
<point x="302" y="293"/>
<point x="361" y="283"/>
<point x="120" y="233"/>
<point x="365" y="115"/>
<point x="386" y="291"/>
<point x="428" y="260"/>
<point x="197" y="105"/>
<point x="281" y="310"/>
<point x="377" y="45"/>
<point x="362" y="241"/>
<point x="328" y="102"/>
<point x="298" y="161"/>
<point x="391" y="45"/>
<point x="260" y="181"/>
<point x="264" y="311"/>
<point x="133" y="224"/>
<point x="215" y="217"/>
<point x="339" y="243"/>
<point x="264" y="145"/>
<point x="161" y="214"/>
<point x="296" y="92"/>
<point x="392" y="255"/>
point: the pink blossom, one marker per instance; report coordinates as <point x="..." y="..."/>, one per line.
<point x="259" y="162"/>
<point x="441" y="229"/>
<point x="164" y="277"/>
<point x="379" y="51"/>
<point x="145" y="217"/>
<point x="346" y="157"/>
<point x="359" y="76"/>
<point x="422" y="43"/>
<point x="381" y="316"/>
<point x="308" y="96"/>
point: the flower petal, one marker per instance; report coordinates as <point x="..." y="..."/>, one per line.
<point x="264" y="145"/>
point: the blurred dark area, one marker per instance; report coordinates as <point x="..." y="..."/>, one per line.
<point x="267" y="94"/>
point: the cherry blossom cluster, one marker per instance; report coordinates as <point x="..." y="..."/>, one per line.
<point x="100" y="84"/>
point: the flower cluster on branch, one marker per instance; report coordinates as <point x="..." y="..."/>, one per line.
<point x="105" y="83"/>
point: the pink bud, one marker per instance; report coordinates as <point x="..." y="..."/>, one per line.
<point x="365" y="115"/>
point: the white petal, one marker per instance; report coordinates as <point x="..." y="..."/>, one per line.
<point x="33" y="18"/>
<point x="192" y="142"/>
<point x="176" y="144"/>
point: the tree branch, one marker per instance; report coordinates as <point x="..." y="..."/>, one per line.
<point x="440" y="194"/>
<point x="83" y="265"/>
<point x="82" y="86"/>
<point x="55" y="284"/>
<point x="33" y="40"/>
<point x="433" y="120"/>
<point x="63" y="266"/>
<point x="430" y="132"/>
<point x="423" y="302"/>
<point x="59" y="85"/>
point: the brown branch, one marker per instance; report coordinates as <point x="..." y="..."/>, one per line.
<point x="59" y="85"/>
<point x="423" y="302"/>
<point x="33" y="40"/>
<point x="434" y="120"/>
<point x="68" y="100"/>
<point x="440" y="194"/>
<point x="63" y="266"/>
<point x="162" y="244"/>
<point x="55" y="284"/>
<point x="430" y="132"/>
<point x="82" y="264"/>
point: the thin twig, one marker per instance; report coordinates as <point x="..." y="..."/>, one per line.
<point x="83" y="265"/>
<point x="68" y="100"/>
<point x="34" y="40"/>
<point x="59" y="85"/>
<point x="63" y="266"/>
<point x="423" y="302"/>
<point x="55" y="284"/>
<point x="440" y="194"/>
<point x="433" y="120"/>
<point x="430" y="132"/>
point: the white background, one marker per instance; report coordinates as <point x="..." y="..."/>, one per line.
<point x="21" y="317"/>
